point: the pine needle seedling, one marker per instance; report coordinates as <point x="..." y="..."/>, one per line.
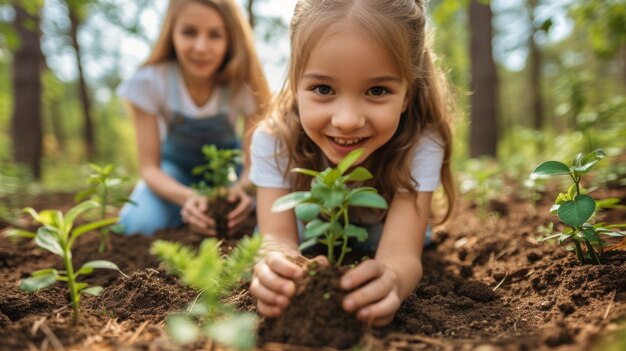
<point x="325" y="207"/>
<point x="102" y="186"/>
<point x="219" y="174"/>
<point x="57" y="235"/>
<point x="575" y="208"/>
<point x="214" y="277"/>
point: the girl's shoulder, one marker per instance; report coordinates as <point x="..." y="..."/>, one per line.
<point x="430" y="139"/>
<point x="154" y="73"/>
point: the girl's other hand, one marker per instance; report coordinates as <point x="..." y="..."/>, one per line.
<point x="274" y="282"/>
<point x="239" y="214"/>
<point x="193" y="212"/>
<point x="375" y="298"/>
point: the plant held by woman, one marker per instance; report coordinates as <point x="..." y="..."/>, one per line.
<point x="574" y="208"/>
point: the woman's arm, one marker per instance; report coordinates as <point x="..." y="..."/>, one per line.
<point x="393" y="275"/>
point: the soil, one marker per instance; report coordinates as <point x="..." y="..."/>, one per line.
<point x="219" y="209"/>
<point x="487" y="285"/>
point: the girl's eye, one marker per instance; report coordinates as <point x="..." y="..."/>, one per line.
<point x="377" y="91"/>
<point x="322" y="90"/>
<point x="189" y="32"/>
<point x="216" y="34"/>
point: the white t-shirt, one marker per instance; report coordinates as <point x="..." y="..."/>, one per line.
<point x="266" y="171"/>
<point x="149" y="89"/>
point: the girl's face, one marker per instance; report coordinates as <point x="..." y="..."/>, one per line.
<point x="200" y="40"/>
<point x="350" y="95"/>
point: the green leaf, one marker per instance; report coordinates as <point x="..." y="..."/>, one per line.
<point x="93" y="291"/>
<point x="39" y="282"/>
<point x="359" y="174"/>
<point x="290" y="201"/>
<point x="551" y="168"/>
<point x="76" y="211"/>
<point x="334" y="198"/>
<point x="16" y="234"/>
<point x="356" y="232"/>
<point x="181" y="329"/>
<point x="82" y="195"/>
<point x="591" y="235"/>
<point x="307" y="244"/>
<point x="236" y="331"/>
<point x="43" y="272"/>
<point x="307" y="211"/>
<point x="97" y="264"/>
<point x="368" y="199"/>
<point x="316" y="228"/>
<point x="47" y="239"/>
<point x="576" y="212"/>
<point x="93" y="226"/>
<point x="350" y="159"/>
<point x="310" y="172"/>
<point x="588" y="161"/>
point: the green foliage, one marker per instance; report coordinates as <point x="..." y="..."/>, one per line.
<point x="326" y="205"/>
<point x="481" y="180"/>
<point x="214" y="277"/>
<point x="102" y="186"/>
<point x="574" y="208"/>
<point x="57" y="235"/>
<point x="605" y="23"/>
<point x="219" y="173"/>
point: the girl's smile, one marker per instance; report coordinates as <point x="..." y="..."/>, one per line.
<point x="350" y="94"/>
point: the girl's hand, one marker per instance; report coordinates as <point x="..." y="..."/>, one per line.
<point x="239" y="214"/>
<point x="274" y="282"/>
<point x="193" y="212"/>
<point x="376" y="297"/>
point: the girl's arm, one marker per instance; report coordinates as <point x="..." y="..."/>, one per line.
<point x="149" y="150"/>
<point x="383" y="283"/>
<point x="273" y="280"/>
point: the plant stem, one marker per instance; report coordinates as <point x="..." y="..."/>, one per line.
<point x="71" y="281"/>
<point x="579" y="252"/>
<point x="344" y="246"/>
<point x="592" y="253"/>
<point x="104" y="233"/>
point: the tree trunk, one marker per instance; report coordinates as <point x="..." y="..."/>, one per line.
<point x="624" y="64"/>
<point x="251" y="16"/>
<point x="26" y="121"/>
<point x="56" y="119"/>
<point x="82" y="86"/>
<point x="535" y="63"/>
<point x="484" y="83"/>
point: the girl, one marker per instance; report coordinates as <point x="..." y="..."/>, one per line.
<point x="202" y="73"/>
<point x="360" y="76"/>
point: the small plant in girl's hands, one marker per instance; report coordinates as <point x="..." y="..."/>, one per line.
<point x="325" y="206"/>
<point x="219" y="173"/>
<point x="574" y="208"/>
<point x="57" y="235"/>
<point x="214" y="277"/>
<point x="102" y="186"/>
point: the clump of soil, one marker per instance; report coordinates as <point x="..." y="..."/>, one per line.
<point x="314" y="316"/>
<point x="219" y="208"/>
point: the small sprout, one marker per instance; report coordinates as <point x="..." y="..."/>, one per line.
<point x="312" y="273"/>
<point x="58" y="235"/>
<point x="102" y="186"/>
<point x="325" y="207"/>
<point x="326" y="296"/>
<point x="575" y="208"/>
<point x="214" y="277"/>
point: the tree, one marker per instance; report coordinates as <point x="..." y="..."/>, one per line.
<point x="535" y="64"/>
<point x="26" y="121"/>
<point x="484" y="82"/>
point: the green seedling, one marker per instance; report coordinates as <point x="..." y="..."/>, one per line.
<point x="575" y="208"/>
<point x="325" y="207"/>
<point x="57" y="235"/>
<point x="219" y="173"/>
<point x="214" y="277"/>
<point x="102" y="186"/>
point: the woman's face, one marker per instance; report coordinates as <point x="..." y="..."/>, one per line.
<point x="350" y="95"/>
<point x="200" y="40"/>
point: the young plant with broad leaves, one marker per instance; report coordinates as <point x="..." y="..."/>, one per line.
<point x="325" y="207"/>
<point x="57" y="235"/>
<point x="219" y="173"/>
<point x="575" y="208"/>
<point x="103" y="188"/>
<point x="214" y="276"/>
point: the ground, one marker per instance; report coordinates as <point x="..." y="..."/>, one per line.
<point x="488" y="285"/>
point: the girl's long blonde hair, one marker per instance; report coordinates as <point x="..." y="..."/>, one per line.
<point x="399" y="27"/>
<point x="241" y="64"/>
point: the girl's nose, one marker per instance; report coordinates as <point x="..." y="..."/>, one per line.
<point x="201" y="44"/>
<point x="348" y="117"/>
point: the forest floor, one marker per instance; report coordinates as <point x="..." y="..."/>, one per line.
<point x="488" y="285"/>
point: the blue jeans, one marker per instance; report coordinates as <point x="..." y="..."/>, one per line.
<point x="151" y="212"/>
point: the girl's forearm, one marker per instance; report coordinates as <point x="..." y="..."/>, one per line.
<point x="165" y="186"/>
<point x="280" y="244"/>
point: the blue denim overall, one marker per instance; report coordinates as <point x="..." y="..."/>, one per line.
<point x="180" y="153"/>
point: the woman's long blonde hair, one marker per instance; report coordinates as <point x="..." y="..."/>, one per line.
<point x="241" y="64"/>
<point x="399" y="27"/>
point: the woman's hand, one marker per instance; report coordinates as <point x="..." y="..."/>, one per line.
<point x="239" y="214"/>
<point x="376" y="298"/>
<point x="193" y="212"/>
